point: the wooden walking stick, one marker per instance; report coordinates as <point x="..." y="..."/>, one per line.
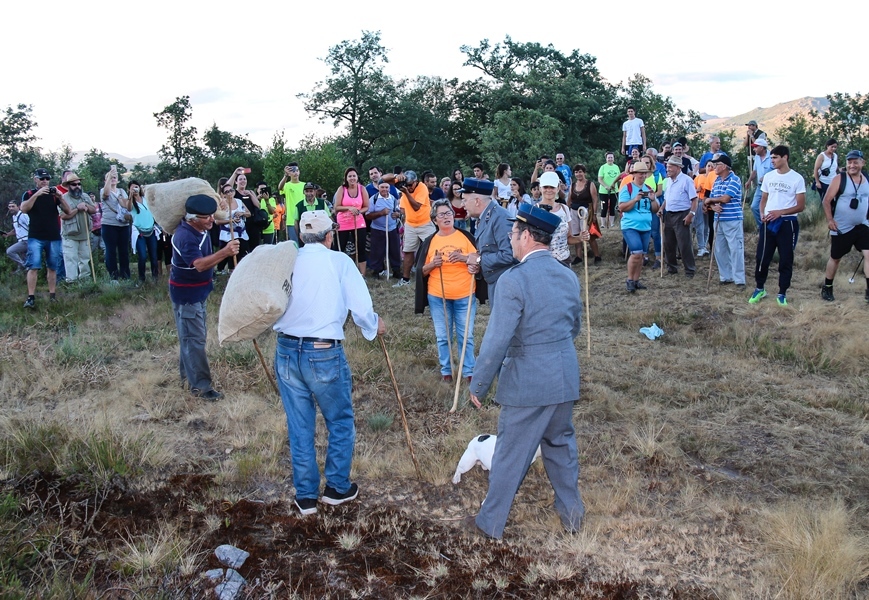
<point x="712" y="255"/>
<point x="464" y="346"/>
<point x="661" y="223"/>
<point x="259" y="353"/>
<point x="583" y="225"/>
<point x="401" y="409"/>
<point x="446" y="317"/>
<point x="386" y="264"/>
<point x="91" y="256"/>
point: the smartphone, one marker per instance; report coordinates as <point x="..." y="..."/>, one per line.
<point x="246" y="171"/>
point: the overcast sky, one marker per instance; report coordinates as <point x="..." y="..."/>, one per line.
<point x="99" y="70"/>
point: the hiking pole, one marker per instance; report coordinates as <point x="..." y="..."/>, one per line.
<point x="91" y="256"/>
<point x="401" y="409"/>
<point x="386" y="264"/>
<point x="464" y="347"/>
<point x="712" y="255"/>
<point x="661" y="223"/>
<point x="446" y="317"/>
<point x="855" y="270"/>
<point x="583" y="225"/>
<point x="356" y="239"/>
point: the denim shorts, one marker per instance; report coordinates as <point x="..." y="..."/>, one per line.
<point x="637" y="241"/>
<point x="53" y="253"/>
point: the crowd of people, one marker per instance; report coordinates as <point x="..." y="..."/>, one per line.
<point x="467" y="240"/>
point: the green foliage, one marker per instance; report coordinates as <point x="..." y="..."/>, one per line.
<point x="181" y="156"/>
<point x="93" y="169"/>
<point x="277" y="156"/>
<point x="101" y="456"/>
<point x="379" y="422"/>
<point x="663" y="121"/>
<point x="30" y="446"/>
<point x="518" y="136"/>
<point x="320" y="161"/>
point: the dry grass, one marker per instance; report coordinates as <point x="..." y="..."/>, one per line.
<point x="729" y="454"/>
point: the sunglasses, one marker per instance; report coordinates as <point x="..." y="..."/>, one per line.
<point x="76" y="184"/>
<point x="45" y="179"/>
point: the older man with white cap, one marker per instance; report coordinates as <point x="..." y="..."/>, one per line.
<point x="311" y="368"/>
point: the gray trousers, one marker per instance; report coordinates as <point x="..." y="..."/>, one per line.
<point x="677" y="234"/>
<point x="520" y="430"/>
<point x="729" y="251"/>
<point x="18" y="253"/>
<point x="193" y="362"/>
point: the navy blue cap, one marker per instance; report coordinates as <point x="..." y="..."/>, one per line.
<point x="536" y="217"/>
<point x="854" y="154"/>
<point x="41" y="173"/>
<point x="200" y="204"/>
<point x="472" y="185"/>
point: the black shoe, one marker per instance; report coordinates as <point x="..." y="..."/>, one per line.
<point x="725" y="282"/>
<point x="210" y="395"/>
<point x="672" y="271"/>
<point x="827" y="293"/>
<point x="576" y="261"/>
<point x="306" y="506"/>
<point x="30" y="303"/>
<point x="638" y="284"/>
<point x="597" y="260"/>
<point x="333" y="498"/>
<point x="657" y="264"/>
<point x="689" y="275"/>
<point x="469" y="526"/>
<point x="867" y="295"/>
<point x="631" y="285"/>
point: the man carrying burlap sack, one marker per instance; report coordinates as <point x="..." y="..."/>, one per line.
<point x="190" y="283"/>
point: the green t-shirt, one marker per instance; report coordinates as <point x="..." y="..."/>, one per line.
<point x="273" y="204"/>
<point x="293" y="194"/>
<point x="608" y="174"/>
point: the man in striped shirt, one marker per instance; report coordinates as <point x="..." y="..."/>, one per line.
<point x="726" y="202"/>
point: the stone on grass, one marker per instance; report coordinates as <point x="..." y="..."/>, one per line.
<point x="214" y="574"/>
<point x="228" y="590"/>
<point x="231" y="556"/>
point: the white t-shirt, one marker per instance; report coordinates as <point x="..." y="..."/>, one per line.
<point x="632" y="127"/>
<point x="782" y="189"/>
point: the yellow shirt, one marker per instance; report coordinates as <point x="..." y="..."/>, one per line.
<point x="457" y="280"/>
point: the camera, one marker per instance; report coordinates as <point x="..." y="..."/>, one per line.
<point x="52" y="190"/>
<point x="825" y="172"/>
<point x="855" y="202"/>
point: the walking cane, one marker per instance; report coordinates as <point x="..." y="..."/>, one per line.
<point x="356" y="238"/>
<point x="94" y="272"/>
<point x="446" y="317"/>
<point x="583" y="225"/>
<point x="464" y="346"/>
<point x="855" y="271"/>
<point x="661" y="223"/>
<point x="712" y="255"/>
<point x="386" y="264"/>
<point x="401" y="409"/>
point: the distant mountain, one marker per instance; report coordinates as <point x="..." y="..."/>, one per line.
<point x="769" y="119"/>
<point x="151" y="159"/>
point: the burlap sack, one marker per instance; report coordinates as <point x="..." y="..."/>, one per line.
<point x="257" y="293"/>
<point x="166" y="200"/>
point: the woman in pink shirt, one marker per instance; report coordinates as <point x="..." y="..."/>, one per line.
<point x="351" y="204"/>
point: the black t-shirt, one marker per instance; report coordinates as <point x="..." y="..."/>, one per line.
<point x="245" y="199"/>
<point x="44" y="224"/>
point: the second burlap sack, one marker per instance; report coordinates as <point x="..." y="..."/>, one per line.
<point x="257" y="294"/>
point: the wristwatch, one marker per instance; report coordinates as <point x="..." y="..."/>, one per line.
<point x="693" y="212"/>
<point x="479" y="259"/>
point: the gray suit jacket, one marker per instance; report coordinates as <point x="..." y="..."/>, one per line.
<point x="529" y="340"/>
<point x="493" y="242"/>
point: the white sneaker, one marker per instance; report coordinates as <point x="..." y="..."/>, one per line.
<point x="402" y="283"/>
<point x="382" y="273"/>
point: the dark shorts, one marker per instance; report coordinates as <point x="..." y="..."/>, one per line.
<point x="348" y="240"/>
<point x="857" y="238"/>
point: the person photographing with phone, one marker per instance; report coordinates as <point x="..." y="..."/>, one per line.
<point x="636" y="203"/>
<point x="116" y="227"/>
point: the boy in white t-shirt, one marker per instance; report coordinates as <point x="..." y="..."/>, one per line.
<point x="633" y="133"/>
<point x="783" y="198"/>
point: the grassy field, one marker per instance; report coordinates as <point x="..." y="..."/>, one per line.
<point x="727" y="459"/>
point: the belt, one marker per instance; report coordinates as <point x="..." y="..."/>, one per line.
<point x="309" y="339"/>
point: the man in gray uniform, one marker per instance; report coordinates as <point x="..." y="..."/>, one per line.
<point x="529" y="345"/>
<point x="493" y="232"/>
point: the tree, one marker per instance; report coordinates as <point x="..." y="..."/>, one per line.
<point x="846" y="120"/>
<point x="181" y="152"/>
<point x="320" y="161"/>
<point x="663" y="121"/>
<point x="276" y="158"/>
<point x="358" y="96"/>
<point x="224" y="143"/>
<point x="518" y="137"/>
<point x="16" y="134"/>
<point x="93" y="168"/>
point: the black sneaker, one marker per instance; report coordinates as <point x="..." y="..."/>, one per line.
<point x="631" y="286"/>
<point x="333" y="498"/>
<point x="597" y="260"/>
<point x="30" y="303"/>
<point x="306" y="506"/>
<point x="639" y="285"/>
<point x="656" y="264"/>
<point x="210" y="395"/>
<point x="577" y="261"/>
<point x="867" y="295"/>
<point x="827" y="293"/>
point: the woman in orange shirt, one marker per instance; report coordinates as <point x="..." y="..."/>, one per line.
<point x="446" y="279"/>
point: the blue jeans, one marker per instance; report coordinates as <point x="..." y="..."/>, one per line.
<point x="457" y="311"/>
<point x="656" y="234"/>
<point x="307" y="378"/>
<point x="192" y="332"/>
<point x="147" y="245"/>
<point x="755" y="208"/>
<point x="53" y="254"/>
<point x="637" y="241"/>
<point x="117" y="240"/>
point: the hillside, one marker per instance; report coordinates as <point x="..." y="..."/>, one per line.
<point x="769" y="119"/>
<point x="151" y="159"/>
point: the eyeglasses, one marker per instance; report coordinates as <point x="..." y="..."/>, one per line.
<point x="204" y="217"/>
<point x="512" y="233"/>
<point x="443" y="215"/>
